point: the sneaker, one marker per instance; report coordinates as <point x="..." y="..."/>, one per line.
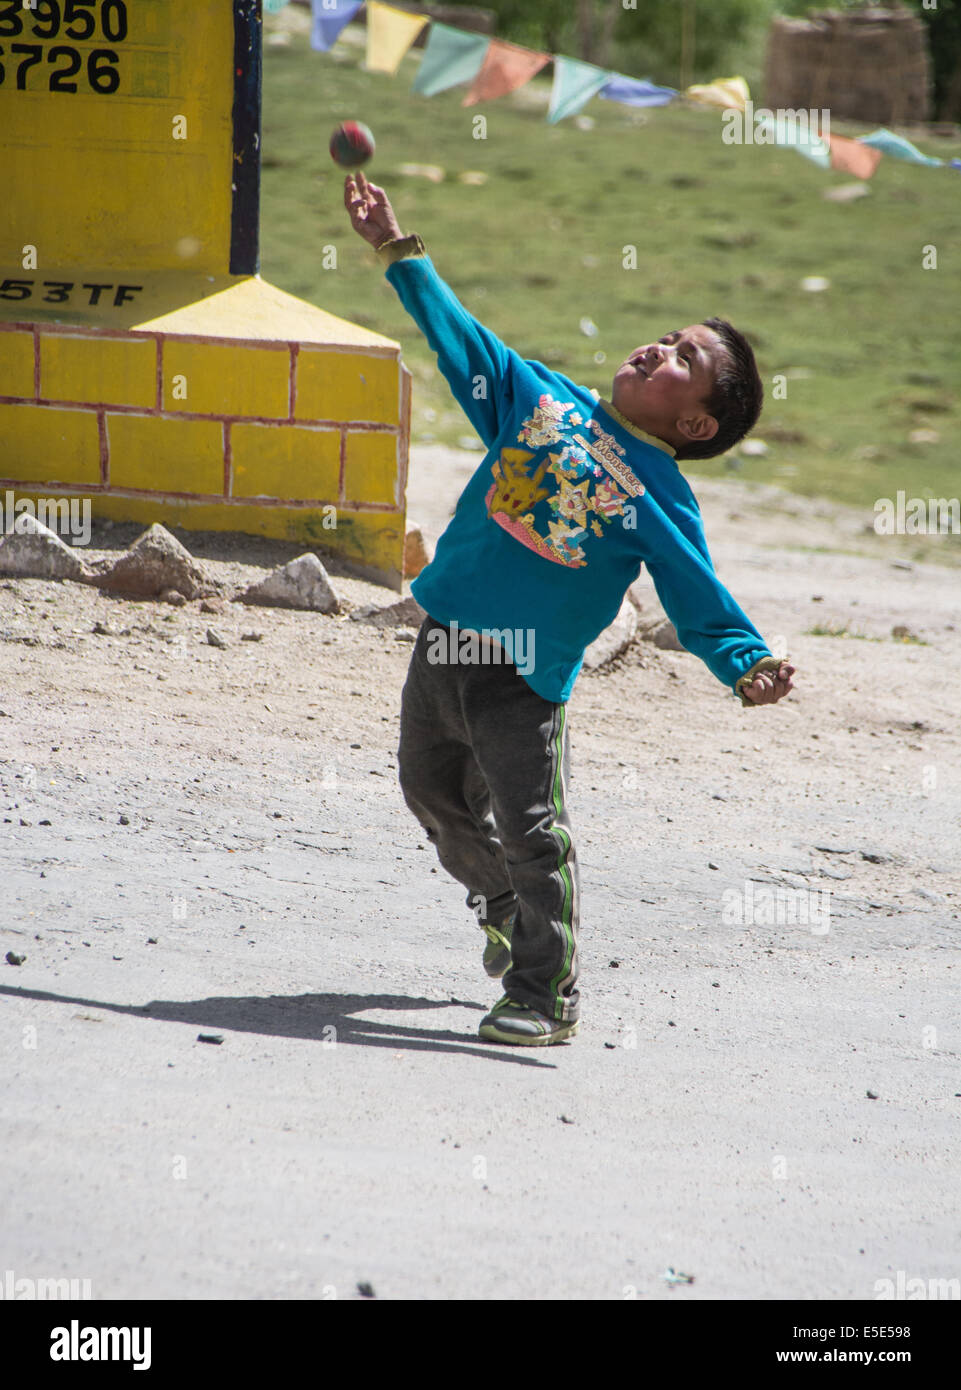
<point x="497" y="952"/>
<point x="512" y="1022"/>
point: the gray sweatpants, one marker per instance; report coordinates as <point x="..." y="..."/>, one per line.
<point x="483" y="763"/>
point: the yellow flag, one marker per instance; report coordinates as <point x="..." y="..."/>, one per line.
<point x="730" y="92"/>
<point x="390" y="33"/>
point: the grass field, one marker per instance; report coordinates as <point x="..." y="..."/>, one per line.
<point x="719" y="229"/>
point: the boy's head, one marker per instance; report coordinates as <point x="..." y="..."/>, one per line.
<point x="697" y="388"/>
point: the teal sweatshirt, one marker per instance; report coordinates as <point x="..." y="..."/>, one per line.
<point x="568" y="503"/>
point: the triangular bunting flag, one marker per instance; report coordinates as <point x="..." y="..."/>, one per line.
<point x="632" y="91"/>
<point x="450" y="57"/>
<point x="330" y="16"/>
<point x="888" y="143"/>
<point x="853" y="157"/>
<point x="275" y="6"/>
<point x="729" y="92"/>
<point x="390" y="33"/>
<point x="574" y="85"/>
<point x="779" y="131"/>
<point x="505" y="68"/>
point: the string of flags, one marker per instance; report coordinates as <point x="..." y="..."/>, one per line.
<point x="491" y="68"/>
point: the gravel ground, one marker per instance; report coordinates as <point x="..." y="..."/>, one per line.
<point x="211" y="841"/>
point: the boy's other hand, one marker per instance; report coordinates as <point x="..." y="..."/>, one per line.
<point x="771" y="686"/>
<point x="371" y="214"/>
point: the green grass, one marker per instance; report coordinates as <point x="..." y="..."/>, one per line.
<point x="842" y="630"/>
<point x="718" y="229"/>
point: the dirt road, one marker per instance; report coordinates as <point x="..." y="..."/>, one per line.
<point x="196" y="840"/>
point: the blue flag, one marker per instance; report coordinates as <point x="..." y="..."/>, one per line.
<point x="632" y="91"/>
<point x="896" y="145"/>
<point x="330" y="16"/>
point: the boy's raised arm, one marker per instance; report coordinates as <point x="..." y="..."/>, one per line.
<point x="476" y="364"/>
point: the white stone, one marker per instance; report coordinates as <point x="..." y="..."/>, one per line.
<point x="33" y="551"/>
<point x="613" y="639"/>
<point x="301" y="583"/>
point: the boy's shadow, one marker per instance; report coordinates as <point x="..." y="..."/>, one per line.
<point x="324" y="1018"/>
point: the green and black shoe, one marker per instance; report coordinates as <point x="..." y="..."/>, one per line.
<point x="497" y="952"/>
<point x="512" y="1022"/>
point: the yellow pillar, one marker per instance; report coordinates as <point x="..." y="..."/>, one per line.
<point x="144" y="363"/>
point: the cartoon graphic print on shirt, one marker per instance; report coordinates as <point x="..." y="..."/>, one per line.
<point x="564" y="478"/>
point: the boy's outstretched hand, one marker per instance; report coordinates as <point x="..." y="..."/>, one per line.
<point x="770" y="686"/>
<point x="371" y="214"/>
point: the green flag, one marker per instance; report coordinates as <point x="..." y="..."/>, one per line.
<point x="451" y="56"/>
<point x="574" y="85"/>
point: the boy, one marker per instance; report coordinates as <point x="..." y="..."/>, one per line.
<point x="573" y="494"/>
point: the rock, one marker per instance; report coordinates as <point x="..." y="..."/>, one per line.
<point x="613" y="639"/>
<point x="124" y="820"/>
<point x="251" y="637"/>
<point x="663" y="634"/>
<point x="399" y="614"/>
<point x="155" y="563"/>
<point x="302" y="583"/>
<point x="635" y="595"/>
<point x="13" y="959"/>
<point x="754" y="448"/>
<point x="173" y="597"/>
<point x="33" y="551"/>
<point x="405" y="634"/>
<point x="828" y="872"/>
<point x="214" y="639"/>
<point x="210" y="1037"/>
<point x="212" y="605"/>
<point x="904" y="633"/>
<point x="365" y="1289"/>
<point x="875" y="856"/>
<point x="433" y="172"/>
<point x="416" y="554"/>
<point x="846" y="192"/>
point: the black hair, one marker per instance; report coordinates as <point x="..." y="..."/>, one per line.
<point x="735" y="399"/>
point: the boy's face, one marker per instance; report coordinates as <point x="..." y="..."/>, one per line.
<point x="662" y="387"/>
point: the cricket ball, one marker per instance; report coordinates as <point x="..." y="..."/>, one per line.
<point x="351" y="145"/>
